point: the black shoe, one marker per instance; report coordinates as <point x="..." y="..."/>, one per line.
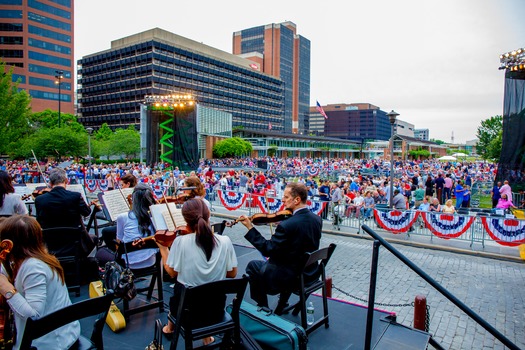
<point x="279" y="310"/>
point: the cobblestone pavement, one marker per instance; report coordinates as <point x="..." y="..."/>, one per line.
<point x="494" y="289"/>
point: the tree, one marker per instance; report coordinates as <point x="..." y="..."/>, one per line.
<point x="232" y="147"/>
<point x="126" y="142"/>
<point x="489" y="135"/>
<point x="14" y="111"/>
<point x="53" y="142"/>
<point x="104" y="133"/>
<point x="49" y="119"/>
<point x="439" y="142"/>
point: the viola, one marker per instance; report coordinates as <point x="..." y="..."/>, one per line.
<point x="40" y="191"/>
<point x="179" y="199"/>
<point x="164" y="237"/>
<point x="263" y="219"/>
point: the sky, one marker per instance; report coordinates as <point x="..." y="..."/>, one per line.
<point x="433" y="62"/>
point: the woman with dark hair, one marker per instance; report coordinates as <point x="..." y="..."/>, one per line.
<point x="137" y="224"/>
<point x="198" y="257"/>
<point x="39" y="288"/>
<point x="10" y="202"/>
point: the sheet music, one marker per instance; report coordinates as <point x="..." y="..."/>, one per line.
<point x="115" y="203"/>
<point x="78" y="188"/>
<point x="161" y="216"/>
<point x="23" y="190"/>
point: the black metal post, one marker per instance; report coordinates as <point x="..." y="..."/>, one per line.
<point x="59" y="75"/>
<point x="371" y="296"/>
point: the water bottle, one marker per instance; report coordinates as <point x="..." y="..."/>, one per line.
<point x="310" y="314"/>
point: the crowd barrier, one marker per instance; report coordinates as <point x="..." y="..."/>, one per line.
<point x="476" y="226"/>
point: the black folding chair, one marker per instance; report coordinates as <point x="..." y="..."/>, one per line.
<point x="90" y="307"/>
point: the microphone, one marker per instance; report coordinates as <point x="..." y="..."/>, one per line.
<point x="186" y="188"/>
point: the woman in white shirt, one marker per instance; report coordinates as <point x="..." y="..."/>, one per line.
<point x="39" y="287"/>
<point x="137" y="224"/>
<point x="10" y="202"/>
<point x="198" y="257"/>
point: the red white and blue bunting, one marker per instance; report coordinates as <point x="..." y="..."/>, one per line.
<point x="395" y="221"/>
<point x="509" y="232"/>
<point x="316" y="207"/>
<point x="91" y="185"/>
<point x="103" y="185"/>
<point x="231" y="200"/>
<point x="269" y="204"/>
<point x="447" y="225"/>
<point x="158" y="191"/>
<point x="312" y="171"/>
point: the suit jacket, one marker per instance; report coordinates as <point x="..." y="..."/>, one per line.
<point x="285" y="250"/>
<point x="60" y="208"/>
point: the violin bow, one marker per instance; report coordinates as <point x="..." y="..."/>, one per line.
<point x="39" y="168"/>
<point x="268" y="210"/>
<point x="168" y="206"/>
<point x="117" y="184"/>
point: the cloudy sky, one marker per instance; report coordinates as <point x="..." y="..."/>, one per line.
<point x="434" y="62"/>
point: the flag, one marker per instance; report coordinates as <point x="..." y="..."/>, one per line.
<point x="269" y="126"/>
<point x="321" y="110"/>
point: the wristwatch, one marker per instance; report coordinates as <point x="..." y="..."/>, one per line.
<point x="9" y="294"/>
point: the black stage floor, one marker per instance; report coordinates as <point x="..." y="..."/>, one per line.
<point x="346" y="331"/>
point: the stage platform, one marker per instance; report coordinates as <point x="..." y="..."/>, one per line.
<point x="346" y="331"/>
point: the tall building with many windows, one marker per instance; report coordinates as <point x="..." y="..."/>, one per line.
<point x="36" y="38"/>
<point x="283" y="53"/>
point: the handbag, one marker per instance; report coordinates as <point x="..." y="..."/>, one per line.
<point x="156" y="343"/>
<point x="121" y="281"/>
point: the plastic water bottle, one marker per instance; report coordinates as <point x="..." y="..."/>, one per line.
<point x="310" y="314"/>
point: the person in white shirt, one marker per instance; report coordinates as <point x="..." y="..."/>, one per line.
<point x="38" y="286"/>
<point x="198" y="257"/>
<point x="10" y="202"/>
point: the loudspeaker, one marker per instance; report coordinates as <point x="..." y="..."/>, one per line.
<point x="262" y="164"/>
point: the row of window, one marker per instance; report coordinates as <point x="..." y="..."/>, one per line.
<point x="37" y="5"/>
<point x="65" y="3"/>
<point x="11" y="40"/>
<point x="49" y="83"/>
<point x="49" y="46"/>
<point x="44" y="95"/>
<point x="48" y="71"/>
<point x="11" y="27"/>
<point x="11" y="53"/>
<point x="46" y="33"/>
<point x="48" y="21"/>
<point x="10" y="14"/>
<point x="37" y="56"/>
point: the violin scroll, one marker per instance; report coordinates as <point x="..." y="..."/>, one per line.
<point x="6" y="246"/>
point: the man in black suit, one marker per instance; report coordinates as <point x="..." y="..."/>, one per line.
<point x="62" y="208"/>
<point x="293" y="237"/>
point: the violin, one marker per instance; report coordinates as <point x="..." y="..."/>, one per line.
<point x="40" y="191"/>
<point x="164" y="237"/>
<point x="6" y="333"/>
<point x="263" y="219"/>
<point x="179" y="199"/>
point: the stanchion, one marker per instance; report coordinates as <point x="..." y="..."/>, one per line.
<point x="420" y="312"/>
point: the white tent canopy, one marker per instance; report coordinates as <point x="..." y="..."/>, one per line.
<point x="459" y="155"/>
<point x="447" y="158"/>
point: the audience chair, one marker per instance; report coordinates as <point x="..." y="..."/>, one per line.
<point x="305" y="289"/>
<point x="201" y="312"/>
<point x="65" y="244"/>
<point x="90" y="307"/>
<point x="155" y="272"/>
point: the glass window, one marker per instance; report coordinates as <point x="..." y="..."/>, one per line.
<point x="10" y="14"/>
<point x="11" y="2"/>
<point x="49" y="46"/>
<point x="49" y="83"/>
<point x="11" y="40"/>
<point x="49" y="95"/>
<point x="48" y="21"/>
<point x="49" y="9"/>
<point x="11" y="27"/>
<point x="15" y="78"/>
<point x="49" y="34"/>
<point x="47" y="70"/>
<point x="11" y="53"/>
<point x="49" y="59"/>
<point x="65" y="3"/>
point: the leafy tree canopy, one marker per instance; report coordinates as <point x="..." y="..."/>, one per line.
<point x="232" y="147"/>
<point x="490" y="137"/>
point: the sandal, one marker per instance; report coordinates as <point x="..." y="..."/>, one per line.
<point x="168" y="335"/>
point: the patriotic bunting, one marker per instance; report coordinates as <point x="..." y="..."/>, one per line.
<point x="447" y="225"/>
<point x="269" y="203"/>
<point x="312" y="171"/>
<point x="395" y="221"/>
<point x="316" y="207"/>
<point x="103" y="185"/>
<point x="91" y="185"/>
<point x="231" y="200"/>
<point x="509" y="232"/>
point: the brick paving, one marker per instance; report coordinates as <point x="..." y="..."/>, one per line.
<point x="494" y="289"/>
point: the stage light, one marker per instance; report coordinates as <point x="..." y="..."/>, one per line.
<point x="513" y="60"/>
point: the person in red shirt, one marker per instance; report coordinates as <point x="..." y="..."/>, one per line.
<point x="260" y="179"/>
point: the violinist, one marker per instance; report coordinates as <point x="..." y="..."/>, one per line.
<point x="293" y="237"/>
<point x="62" y="208"/>
<point x="137" y="224"/>
<point x="198" y="192"/>
<point x="199" y="257"/>
<point x="10" y="202"/>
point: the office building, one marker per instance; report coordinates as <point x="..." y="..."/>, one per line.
<point x="403" y="128"/>
<point x="422" y="134"/>
<point x="36" y="39"/>
<point x="356" y="121"/>
<point x="112" y="84"/>
<point x="282" y="53"/>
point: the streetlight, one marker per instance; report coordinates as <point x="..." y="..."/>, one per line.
<point x="89" y="130"/>
<point x="59" y="75"/>
<point x="392" y="118"/>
